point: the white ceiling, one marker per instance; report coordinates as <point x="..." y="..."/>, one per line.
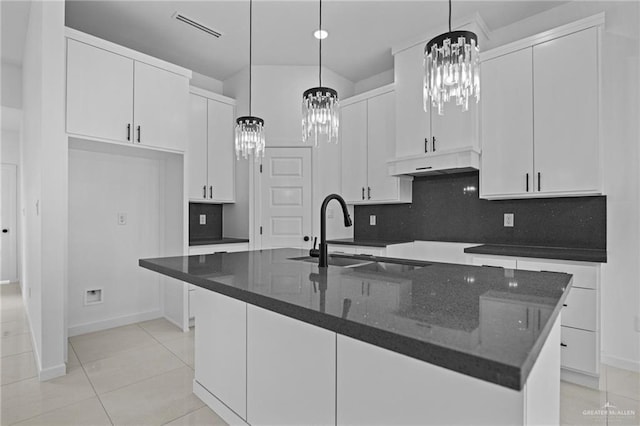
<point x="362" y="32"/>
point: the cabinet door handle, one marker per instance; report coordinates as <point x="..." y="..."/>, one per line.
<point x="527" y="182"/>
<point x="363" y="192"/>
<point x="204" y="191"/>
<point x="368" y="192"/>
<point x="211" y="192"/>
<point x="563" y="345"/>
<point x="138" y="134"/>
<point x="426" y="145"/>
<point x="538" y="181"/>
<point x="129" y="131"/>
<point x="527" y="321"/>
<point x="433" y="144"/>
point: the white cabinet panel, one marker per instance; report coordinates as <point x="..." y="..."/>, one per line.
<point x="499" y="261"/>
<point x="580" y="309"/>
<point x="381" y="131"/>
<point x="565" y="72"/>
<point x="99" y="93"/>
<point x="507" y="125"/>
<point x="221" y="157"/>
<point x="454" y="129"/>
<point x="354" y="151"/>
<point x="295" y="385"/>
<point x="585" y="275"/>
<point x="217" y="248"/>
<point x="197" y="148"/>
<point x="221" y="348"/>
<point x="160" y="108"/>
<point x="579" y="350"/>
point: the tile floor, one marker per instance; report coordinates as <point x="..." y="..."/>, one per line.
<point x="142" y="374"/>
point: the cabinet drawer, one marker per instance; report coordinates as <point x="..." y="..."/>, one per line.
<point x="579" y="350"/>
<point x="584" y="275"/>
<point x="192" y="295"/>
<point x="501" y="261"/>
<point x="580" y="309"/>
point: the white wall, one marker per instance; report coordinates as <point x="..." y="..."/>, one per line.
<point x="277" y="98"/>
<point x="10" y="147"/>
<point x="373" y="82"/>
<point x="11" y="86"/>
<point x="620" y="136"/>
<point x="44" y="191"/>
<point x="205" y="82"/>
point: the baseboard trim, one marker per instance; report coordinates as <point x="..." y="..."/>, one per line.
<point x="227" y="414"/>
<point x="52" y="372"/>
<point x="174" y="322"/>
<point x="623" y="363"/>
<point x="77" y="330"/>
<point x="581" y="379"/>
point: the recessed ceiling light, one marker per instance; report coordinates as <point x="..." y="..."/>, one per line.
<point x="320" y="34"/>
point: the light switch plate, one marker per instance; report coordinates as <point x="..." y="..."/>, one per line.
<point x="508" y="220"/>
<point x="122" y="218"/>
<point x="203" y="219"/>
<point x="372" y="220"/>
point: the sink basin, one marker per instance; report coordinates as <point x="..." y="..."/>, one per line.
<point x="388" y="268"/>
<point x="345" y="262"/>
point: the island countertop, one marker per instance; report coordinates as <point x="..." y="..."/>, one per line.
<point x="485" y="322"/>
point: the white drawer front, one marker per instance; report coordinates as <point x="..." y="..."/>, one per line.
<point x="501" y="261"/>
<point x="579" y="350"/>
<point x="580" y="309"/>
<point x="192" y="295"/>
<point x="584" y="275"/>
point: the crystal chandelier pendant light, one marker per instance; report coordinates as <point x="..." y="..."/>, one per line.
<point x="452" y="69"/>
<point x="320" y="107"/>
<point x="249" y="132"/>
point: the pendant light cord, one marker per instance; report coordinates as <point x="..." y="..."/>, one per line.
<point x="449" y="15"/>
<point x="320" y="49"/>
<point x="250" y="44"/>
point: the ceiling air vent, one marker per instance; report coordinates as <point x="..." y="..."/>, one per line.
<point x="182" y="18"/>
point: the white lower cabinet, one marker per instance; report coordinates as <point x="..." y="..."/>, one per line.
<point x="221" y="348"/>
<point x="365" y="250"/>
<point x="578" y="350"/>
<point x="290" y="370"/>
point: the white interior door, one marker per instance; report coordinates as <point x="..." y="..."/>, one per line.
<point x="9" y="266"/>
<point x="285" y="197"/>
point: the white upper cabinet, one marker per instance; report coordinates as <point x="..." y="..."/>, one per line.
<point x="367" y="143"/>
<point x="507" y="125"/>
<point x="565" y="83"/>
<point x="540" y="118"/>
<point x="119" y="95"/>
<point x="211" y="148"/>
<point x="161" y="102"/>
<point x="99" y="92"/>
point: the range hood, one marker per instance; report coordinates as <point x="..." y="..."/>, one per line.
<point x="457" y="160"/>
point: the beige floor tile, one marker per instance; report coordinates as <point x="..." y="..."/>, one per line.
<point x="16" y="344"/>
<point x="28" y="398"/>
<point x="13" y="314"/>
<point x="622" y="410"/>
<point x="83" y="413"/>
<point x="623" y="382"/>
<point x="13" y="301"/>
<point x="129" y="367"/>
<point x="580" y="405"/>
<point x="18" y="367"/>
<point x="153" y="401"/>
<point x="161" y="329"/>
<point x="201" y="417"/>
<point x="9" y="289"/>
<point x="106" y="343"/>
<point x="72" y="358"/>
<point x="11" y="328"/>
<point x="183" y="348"/>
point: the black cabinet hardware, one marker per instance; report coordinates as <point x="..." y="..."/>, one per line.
<point x="563" y="345"/>
<point x="129" y="131"/>
<point x="527" y="182"/>
<point x="138" y="134"/>
<point x="368" y="192"/>
<point x="426" y="145"/>
<point x="538" y="181"/>
<point x="211" y="192"/>
<point x="564" y="304"/>
<point x="306" y="238"/>
<point x="363" y="192"/>
<point x="204" y="191"/>
<point x="4" y="231"/>
<point x="433" y="144"/>
<point x="424" y="168"/>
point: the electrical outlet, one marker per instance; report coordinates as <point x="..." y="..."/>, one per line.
<point x="122" y="218"/>
<point x="508" y="220"/>
<point x="203" y="219"/>
<point x="372" y="220"/>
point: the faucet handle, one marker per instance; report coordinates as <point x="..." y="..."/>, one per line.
<point x="314" y="252"/>
<point x="315" y="241"/>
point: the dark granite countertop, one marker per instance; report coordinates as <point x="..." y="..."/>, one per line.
<point x="211" y="241"/>
<point x="559" y="253"/>
<point x="368" y="243"/>
<point x="485" y="322"/>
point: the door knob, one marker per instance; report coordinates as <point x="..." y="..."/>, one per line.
<point x="306" y="238"/>
<point x="4" y="231"/>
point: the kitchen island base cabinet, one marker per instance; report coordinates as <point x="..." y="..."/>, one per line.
<point x="376" y="386"/>
<point x="290" y="370"/>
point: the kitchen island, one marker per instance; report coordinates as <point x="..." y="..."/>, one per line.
<point x="376" y="341"/>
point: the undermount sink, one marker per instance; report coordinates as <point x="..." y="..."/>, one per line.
<point x="343" y="261"/>
<point x="389" y="268"/>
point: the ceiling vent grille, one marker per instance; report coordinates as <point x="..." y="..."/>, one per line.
<point x="182" y="18"/>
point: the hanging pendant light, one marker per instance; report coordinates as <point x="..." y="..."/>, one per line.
<point x="320" y="114"/>
<point x="452" y="69"/>
<point x="249" y="129"/>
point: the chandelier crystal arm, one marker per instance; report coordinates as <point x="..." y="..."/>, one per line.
<point x="320" y="45"/>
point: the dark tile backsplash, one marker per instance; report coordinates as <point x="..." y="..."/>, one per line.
<point x="213" y="228"/>
<point x="447" y="208"/>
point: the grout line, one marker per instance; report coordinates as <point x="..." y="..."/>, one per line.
<point x="184" y="415"/>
